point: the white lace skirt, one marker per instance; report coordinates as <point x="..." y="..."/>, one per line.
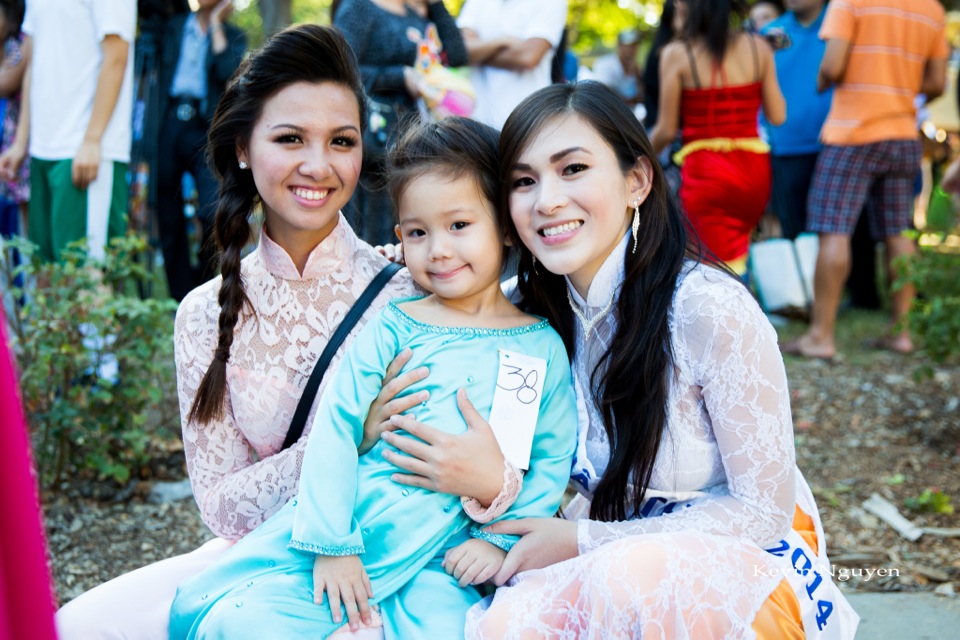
<point x="676" y="585"/>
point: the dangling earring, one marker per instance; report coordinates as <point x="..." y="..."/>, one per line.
<point x="243" y="165"/>
<point x="636" y="223"/>
<point x="534" y="258"/>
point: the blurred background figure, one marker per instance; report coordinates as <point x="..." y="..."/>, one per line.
<point x="619" y="70"/>
<point x="795" y="144"/>
<point x="14" y="193"/>
<point x="199" y="52"/>
<point x="566" y="65"/>
<point x="79" y="112"/>
<point x="872" y="153"/>
<point x="669" y="28"/>
<point x="386" y="36"/>
<point x="714" y="81"/>
<point x="762" y="13"/>
<point x="509" y="46"/>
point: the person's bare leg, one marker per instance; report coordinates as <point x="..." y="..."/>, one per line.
<point x="833" y="267"/>
<point x="900" y="299"/>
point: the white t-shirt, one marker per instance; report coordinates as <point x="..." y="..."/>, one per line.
<point x="67" y="54"/>
<point x="500" y="90"/>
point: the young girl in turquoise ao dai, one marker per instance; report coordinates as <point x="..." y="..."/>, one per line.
<point x="353" y="537"/>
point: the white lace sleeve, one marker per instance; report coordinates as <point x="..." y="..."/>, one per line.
<point x="234" y="490"/>
<point x="730" y="351"/>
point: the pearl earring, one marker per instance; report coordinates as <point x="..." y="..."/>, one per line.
<point x="635" y="226"/>
<point x="243" y="165"/>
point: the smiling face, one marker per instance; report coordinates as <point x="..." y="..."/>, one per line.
<point x="451" y="243"/>
<point x="305" y="156"/>
<point x="569" y="199"/>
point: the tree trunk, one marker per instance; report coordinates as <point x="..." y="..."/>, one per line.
<point x="276" y="15"/>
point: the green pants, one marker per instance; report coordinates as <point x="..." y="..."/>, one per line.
<point x="60" y="213"/>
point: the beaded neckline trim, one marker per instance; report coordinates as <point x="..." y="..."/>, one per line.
<point x="471" y="331"/>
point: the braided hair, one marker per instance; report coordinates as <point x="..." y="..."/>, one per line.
<point x="304" y="53"/>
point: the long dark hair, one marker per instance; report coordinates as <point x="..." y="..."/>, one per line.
<point x="305" y="53"/>
<point x="713" y="21"/>
<point x="631" y="380"/>
<point x="664" y="33"/>
<point x="651" y="66"/>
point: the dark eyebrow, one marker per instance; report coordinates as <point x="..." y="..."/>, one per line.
<point x="299" y="129"/>
<point x="559" y="154"/>
<point x="449" y="213"/>
<point x="522" y="166"/>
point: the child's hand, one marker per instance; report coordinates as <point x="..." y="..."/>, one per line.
<point x="392" y="252"/>
<point x="473" y="562"/>
<point x="345" y="580"/>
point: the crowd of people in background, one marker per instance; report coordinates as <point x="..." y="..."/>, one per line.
<point x="738" y="65"/>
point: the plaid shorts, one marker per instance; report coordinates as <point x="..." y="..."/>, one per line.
<point x="880" y="175"/>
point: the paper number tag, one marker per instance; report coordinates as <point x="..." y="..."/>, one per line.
<point x="516" y="404"/>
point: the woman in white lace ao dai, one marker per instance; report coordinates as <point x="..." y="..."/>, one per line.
<point x="692" y="519"/>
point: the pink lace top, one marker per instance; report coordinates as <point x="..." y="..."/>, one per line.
<point x="238" y="473"/>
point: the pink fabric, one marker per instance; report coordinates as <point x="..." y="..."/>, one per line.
<point x="26" y="596"/>
<point x="240" y="476"/>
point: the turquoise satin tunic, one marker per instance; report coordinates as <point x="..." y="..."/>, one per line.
<point x="348" y="505"/>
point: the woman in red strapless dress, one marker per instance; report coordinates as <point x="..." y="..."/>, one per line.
<point x="725" y="166"/>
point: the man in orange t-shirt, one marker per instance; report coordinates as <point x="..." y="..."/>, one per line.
<point x="880" y="54"/>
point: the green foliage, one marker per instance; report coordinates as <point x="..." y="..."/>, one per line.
<point x="935" y="314"/>
<point x="247" y="17"/>
<point x="896" y="479"/>
<point x="594" y="26"/>
<point x="69" y="325"/>
<point x="930" y="501"/>
<point x="310" y="11"/>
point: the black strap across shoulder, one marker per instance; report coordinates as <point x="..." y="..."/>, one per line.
<point x="693" y="64"/>
<point x="349" y="321"/>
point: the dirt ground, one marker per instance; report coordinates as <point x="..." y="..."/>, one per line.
<point x="863" y="426"/>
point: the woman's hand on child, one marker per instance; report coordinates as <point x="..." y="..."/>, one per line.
<point x="465" y="464"/>
<point x="345" y="581"/>
<point x="473" y="562"/>
<point x="387" y="403"/>
<point x="543" y="542"/>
